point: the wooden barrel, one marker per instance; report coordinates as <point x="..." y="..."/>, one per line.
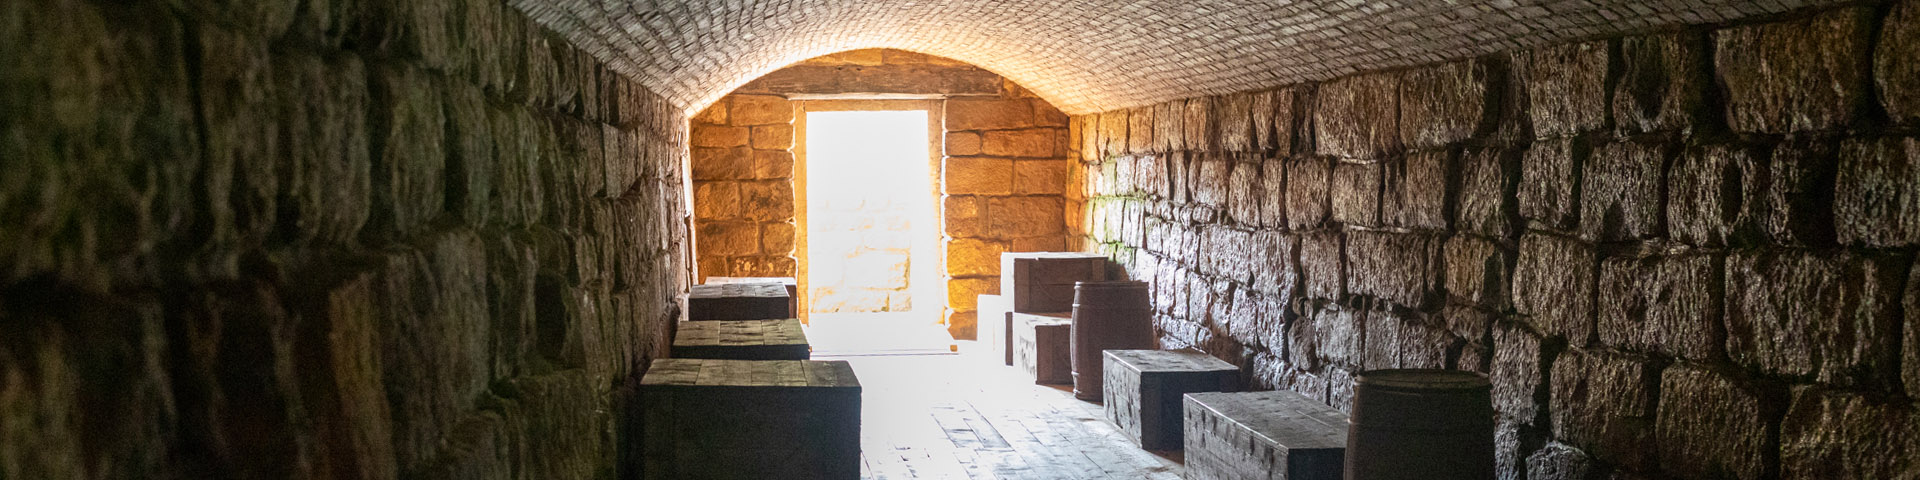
<point x="1426" y="424"/>
<point x="1112" y="315"/>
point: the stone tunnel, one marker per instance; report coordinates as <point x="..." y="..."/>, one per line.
<point x="445" y="238"/>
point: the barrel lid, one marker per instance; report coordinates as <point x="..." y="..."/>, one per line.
<point x="1423" y="379"/>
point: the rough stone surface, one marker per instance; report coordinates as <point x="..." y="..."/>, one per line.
<point x="1796" y="76"/>
<point x="1709" y="427"/>
<point x="1710" y="194"/>
<point x="1322" y="264"/>
<point x="1603" y="403"/>
<point x="1355" y="116"/>
<point x="1309" y="191"/>
<point x="1355" y="193"/>
<point x="1567" y="88"/>
<point x="1245" y="193"/>
<point x="1911" y="368"/>
<point x="1664" y="304"/>
<point x="1273" y="193"/>
<point x="1877" y="193"/>
<point x="1442" y="105"/>
<point x="1416" y="189"/>
<point x="1402" y="268"/>
<point x="1620" y="192"/>
<point x="1549" y="192"/>
<point x="1519" y="372"/>
<point x="1795" y="208"/>
<point x="1840" y="435"/>
<point x="1663" y="82"/>
<point x="1487" y="185"/>
<point x="1554" y="280"/>
<point x="1827" y="317"/>
<point x="1894" y="67"/>
<point x="1478" y="272"/>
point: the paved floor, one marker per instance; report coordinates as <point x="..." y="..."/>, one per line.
<point x="967" y="416"/>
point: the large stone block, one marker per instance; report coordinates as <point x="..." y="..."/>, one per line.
<point x="1796" y="76"/>
<point x="1274" y="116"/>
<point x="1827" y="317"/>
<point x="1273" y="193"/>
<point x="1355" y="192"/>
<point x="1112" y="129"/>
<point x="434" y="336"/>
<point x="1488" y="181"/>
<point x="1309" y="192"/>
<point x="1663" y="82"/>
<point x="1402" y="268"/>
<point x="1620" y="192"/>
<point x="1169" y="126"/>
<point x="1415" y="190"/>
<point x="1911" y="368"/>
<point x="1442" y="104"/>
<point x="722" y="163"/>
<point x="1553" y="284"/>
<point x="1027" y="143"/>
<point x="1233" y="118"/>
<point x="1212" y="179"/>
<point x="1031" y="216"/>
<point x="1228" y="254"/>
<point x="551" y="414"/>
<point x="1140" y="131"/>
<point x="754" y="110"/>
<point x="1839" y="435"/>
<point x="1709" y="427"/>
<point x="767" y="201"/>
<point x="1039" y="177"/>
<point x="1665" y="304"/>
<point x="1876" y="198"/>
<point x="1323" y="265"/>
<point x="978" y="176"/>
<point x="992" y="114"/>
<point x="1603" y="403"/>
<point x="1557" y="461"/>
<point x="1520" y="367"/>
<point x="409" y="154"/>
<point x="721" y="136"/>
<point x="1549" y="192"/>
<point x="1202" y="135"/>
<point x="328" y="185"/>
<point x="1245" y="193"/>
<point x="1274" y="264"/>
<point x="1710" y="194"/>
<point x="1895" y="65"/>
<point x="1797" y="208"/>
<point x="1357" y="116"/>
<point x="1567" y="88"/>
<point x="240" y="136"/>
<point x="1332" y="336"/>
<point x="1478" y="272"/>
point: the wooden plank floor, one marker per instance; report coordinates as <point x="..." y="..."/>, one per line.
<point x="966" y="416"/>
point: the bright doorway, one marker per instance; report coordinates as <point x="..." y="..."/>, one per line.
<point x="870" y="260"/>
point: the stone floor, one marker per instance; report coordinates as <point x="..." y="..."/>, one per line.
<point x="877" y="333"/>
<point x="966" y="416"/>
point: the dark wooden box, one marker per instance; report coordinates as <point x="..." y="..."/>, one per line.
<point x="742" y="340"/>
<point x="737" y="301"/>
<point x="792" y="286"/>
<point x="706" y="418"/>
<point x="1036" y="282"/>
<point x="1263" y="435"/>
<point x="1141" y="390"/>
<point x="1042" y="345"/>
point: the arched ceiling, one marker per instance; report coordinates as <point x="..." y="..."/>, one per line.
<point x="1090" y="55"/>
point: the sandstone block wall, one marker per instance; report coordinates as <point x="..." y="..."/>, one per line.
<point x="423" y="239"/>
<point x="1684" y="254"/>
<point x="1004" y="171"/>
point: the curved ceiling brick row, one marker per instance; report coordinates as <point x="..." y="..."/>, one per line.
<point x="1089" y="55"/>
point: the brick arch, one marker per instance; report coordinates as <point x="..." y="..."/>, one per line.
<point x="1093" y="55"/>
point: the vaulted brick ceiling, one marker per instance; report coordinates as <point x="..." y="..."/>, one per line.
<point x="1094" y="55"/>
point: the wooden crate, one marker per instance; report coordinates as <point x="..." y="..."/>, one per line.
<point x="1141" y="390"/>
<point x="737" y="301"/>
<point x="995" y="328"/>
<point x="1263" y="435"/>
<point x="742" y="340"/>
<point x="1036" y="282"/>
<point x="705" y="418"/>
<point x="1042" y="347"/>
<point x="792" y="286"/>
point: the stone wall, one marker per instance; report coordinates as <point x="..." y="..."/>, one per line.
<point x="1003" y="176"/>
<point x="1684" y="254"/>
<point x="421" y="239"/>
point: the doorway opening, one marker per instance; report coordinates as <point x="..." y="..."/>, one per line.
<point x="870" y="263"/>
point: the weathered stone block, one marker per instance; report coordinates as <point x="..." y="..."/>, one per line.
<point x="1663" y="84"/>
<point x="1830" y="317"/>
<point x="1603" y="403"/>
<point x="962" y="143"/>
<point x="1357" y="116"/>
<point x="978" y="176"/>
<point x="1039" y="177"/>
<point x="1140" y="131"/>
<point x="1894" y="64"/>
<point x="1549" y="192"/>
<point x="1355" y="192"/>
<point x="1403" y="268"/>
<point x="772" y="164"/>
<point x="1233" y="117"/>
<point x="1309" y="192"/>
<point x="1029" y="143"/>
<point x="728" y="238"/>
<point x="1840" y="435"/>
<point x="1796" y="76"/>
<point x="1487" y="205"/>
<point x="1113" y="131"/>
<point x="969" y="256"/>
<point x="1796" y="207"/>
<point x="1143" y="388"/>
<point x="1709" y="427"/>
<point x="716" y="200"/>
<point x="1274" y="265"/>
<point x="1478" y="272"/>
<point x="722" y="163"/>
<point x="1710" y="193"/>
<point x="739" y="419"/>
<point x="1520" y="365"/>
<point x="1469" y="323"/>
<point x="1415" y="190"/>
<point x="1340" y="389"/>
<point x="1665" y="304"/>
<point x="767" y="201"/>
<point x="1911" y="369"/>
<point x="1273" y="193"/>
<point x="1322" y="264"/>
<point x="1567" y="88"/>
<point x="435" y="335"/>
<point x="409" y="157"/>
<point x="1274" y="115"/>
<point x="1201" y="132"/>
<point x="721" y="136"/>
<point x="1212" y="178"/>
<point x="1553" y="284"/>
<point x="1331" y="336"/>
<point x="1245" y="192"/>
<point x="1620" y="192"/>
<point x="240" y="136"/>
<point x="777" y="136"/>
<point x="1557" y="461"/>
<point x="751" y="110"/>
<point x="1033" y="216"/>
<point x="1262" y="435"/>
<point x="1228" y="253"/>
<point x="1442" y="104"/>
<point x="1876" y="199"/>
<point x="329" y="183"/>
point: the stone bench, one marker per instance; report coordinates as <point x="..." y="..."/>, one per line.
<point x="705" y="418"/>
<point x="1141" y="390"/>
<point x="1042" y="346"/>
<point x="737" y="301"/>
<point x="1263" y="435"/>
<point x="742" y="340"/>
<point x="792" y="286"/>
